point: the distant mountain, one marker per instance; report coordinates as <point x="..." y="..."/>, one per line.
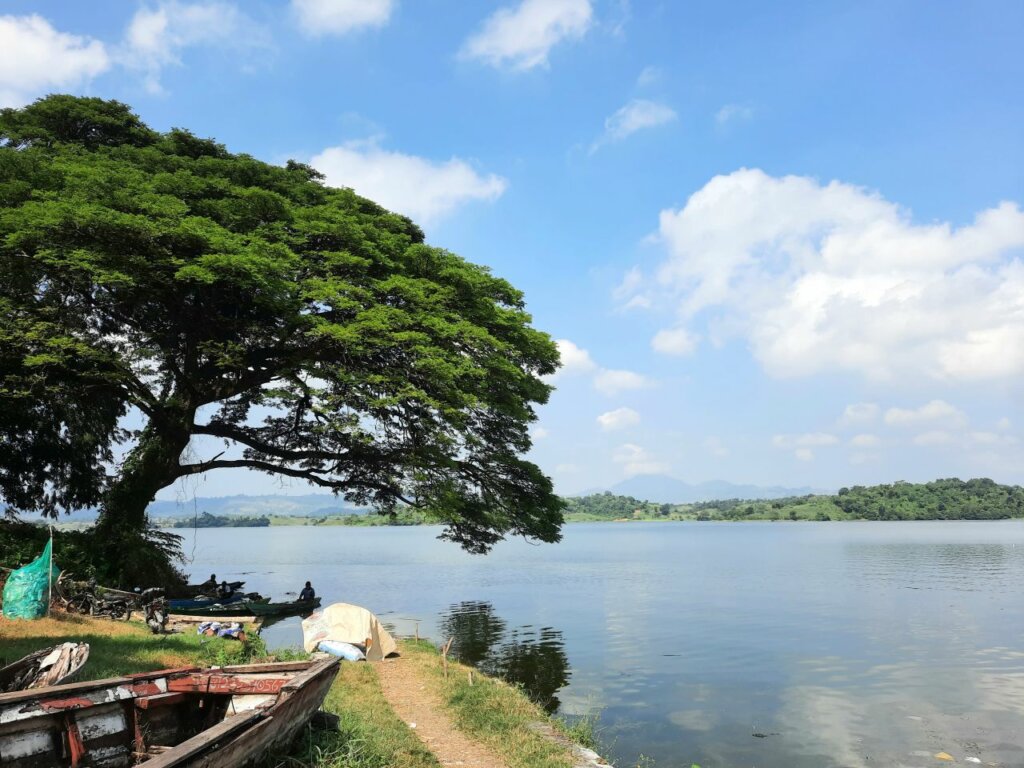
<point x="670" y="490"/>
<point x="308" y="505"/>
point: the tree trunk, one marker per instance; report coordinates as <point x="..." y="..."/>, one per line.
<point x="151" y="465"/>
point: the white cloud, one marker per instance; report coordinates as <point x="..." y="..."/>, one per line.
<point x="521" y="38"/>
<point x="833" y="278"/>
<point x="648" y="76"/>
<point x="422" y="189"/>
<point x="574" y="359"/>
<point x="620" y="418"/>
<point x="338" y="17"/>
<point x="539" y="433"/>
<point x="35" y="59"/>
<point x="859" y="413"/>
<point x="631" y="281"/>
<point x="637" y="461"/>
<point x="804" y="454"/>
<point x="733" y="112"/>
<point x="937" y="412"/>
<point x="865" y="441"/>
<point x="1003" y="424"/>
<point x="674" y="341"/>
<point x="157" y="34"/>
<point x="716" y="447"/>
<point x="934" y="437"/>
<point x="611" y="382"/>
<point x="637" y="115"/>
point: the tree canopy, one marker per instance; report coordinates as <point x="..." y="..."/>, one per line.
<point x="159" y="277"/>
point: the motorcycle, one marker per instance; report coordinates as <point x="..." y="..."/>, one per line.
<point x="90" y="600"/>
<point x="154" y="607"/>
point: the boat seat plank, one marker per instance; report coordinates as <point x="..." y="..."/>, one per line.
<point x="202" y="741"/>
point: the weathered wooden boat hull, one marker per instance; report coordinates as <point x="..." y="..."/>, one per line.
<point x="184" y="718"/>
<point x="49" y="666"/>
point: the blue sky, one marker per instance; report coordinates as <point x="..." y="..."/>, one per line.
<point x="781" y="242"/>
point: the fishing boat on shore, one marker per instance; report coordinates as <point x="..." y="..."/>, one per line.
<point x="258" y="609"/>
<point x="227" y="717"/>
<point x="181" y="605"/>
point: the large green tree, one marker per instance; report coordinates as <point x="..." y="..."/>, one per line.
<point x="155" y="287"/>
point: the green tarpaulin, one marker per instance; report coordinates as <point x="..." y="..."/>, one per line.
<point x="27" y="591"/>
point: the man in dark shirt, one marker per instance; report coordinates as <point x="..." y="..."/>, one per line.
<point x="307" y="592"/>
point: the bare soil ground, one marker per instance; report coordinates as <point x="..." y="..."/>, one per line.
<point x="413" y="701"/>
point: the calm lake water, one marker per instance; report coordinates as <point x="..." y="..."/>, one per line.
<point x="840" y="644"/>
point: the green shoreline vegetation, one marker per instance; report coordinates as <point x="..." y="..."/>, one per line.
<point x="949" y="499"/>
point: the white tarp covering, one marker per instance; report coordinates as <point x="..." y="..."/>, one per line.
<point x="346" y="623"/>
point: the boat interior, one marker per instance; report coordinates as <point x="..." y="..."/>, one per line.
<point x="157" y="719"/>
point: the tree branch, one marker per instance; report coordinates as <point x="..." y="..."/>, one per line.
<point x="229" y="432"/>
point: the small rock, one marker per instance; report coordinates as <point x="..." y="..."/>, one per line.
<point x="944" y="756"/>
<point x="412" y="725"/>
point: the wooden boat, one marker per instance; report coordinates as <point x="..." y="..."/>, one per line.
<point x="195" y="590"/>
<point x="180" y="605"/>
<point x="221" y="612"/>
<point x="183" y="718"/>
<point x="285" y="609"/>
<point x="49" y="666"/>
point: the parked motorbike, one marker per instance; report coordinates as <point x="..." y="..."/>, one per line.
<point x="90" y="600"/>
<point x="154" y="607"/>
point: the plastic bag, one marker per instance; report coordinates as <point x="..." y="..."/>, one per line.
<point x="27" y="591"/>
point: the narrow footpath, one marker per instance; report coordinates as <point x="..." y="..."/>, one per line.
<point x="413" y="701"/>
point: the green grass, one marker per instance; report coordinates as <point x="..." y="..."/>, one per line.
<point x="118" y="647"/>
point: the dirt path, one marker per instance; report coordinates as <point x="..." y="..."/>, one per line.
<point x="408" y="694"/>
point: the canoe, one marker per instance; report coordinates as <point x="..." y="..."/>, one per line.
<point x="206" y="602"/>
<point x="195" y="590"/>
<point x="49" y="666"/>
<point x="283" y="609"/>
<point x="225" y="717"/>
<point x="250" y="608"/>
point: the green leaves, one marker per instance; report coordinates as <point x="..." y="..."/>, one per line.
<point x="167" y="276"/>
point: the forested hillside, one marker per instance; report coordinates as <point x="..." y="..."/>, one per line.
<point x="949" y="499"/>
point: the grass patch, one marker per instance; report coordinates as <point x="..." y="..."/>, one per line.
<point x="120" y="647"/>
<point x="491" y="711"/>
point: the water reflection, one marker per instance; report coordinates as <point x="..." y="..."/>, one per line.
<point x="527" y="656"/>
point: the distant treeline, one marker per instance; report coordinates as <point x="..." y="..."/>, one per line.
<point x="951" y="499"/>
<point x="206" y="520"/>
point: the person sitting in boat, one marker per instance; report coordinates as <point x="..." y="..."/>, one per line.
<point x="210" y="582"/>
<point x="224" y="591"/>
<point x="307" y="592"/>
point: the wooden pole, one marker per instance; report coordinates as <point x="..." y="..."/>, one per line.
<point x="49" y="576"/>
<point x="444" y="655"/>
